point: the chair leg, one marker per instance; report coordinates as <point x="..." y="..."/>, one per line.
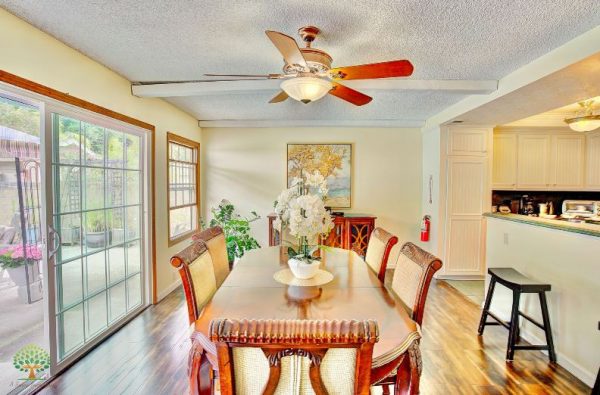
<point x="486" y="307"/>
<point x="547" y="328"/>
<point x="514" y="324"/>
<point x="385" y="389"/>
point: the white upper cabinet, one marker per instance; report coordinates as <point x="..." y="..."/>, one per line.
<point x="567" y="162"/>
<point x="533" y="158"/>
<point x="504" y="167"/>
<point x="592" y="179"/>
<point x="553" y="160"/>
<point x="469" y="141"/>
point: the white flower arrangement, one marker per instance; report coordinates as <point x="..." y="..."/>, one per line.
<point x="301" y="209"/>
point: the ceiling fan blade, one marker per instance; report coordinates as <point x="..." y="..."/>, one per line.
<point x="288" y="48"/>
<point x="281" y="96"/>
<point x="265" y="76"/>
<point x="349" y="94"/>
<point x="394" y="68"/>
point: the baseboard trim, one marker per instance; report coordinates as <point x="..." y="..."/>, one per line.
<point x="460" y="277"/>
<point x="163" y="294"/>
<point x="574" y="368"/>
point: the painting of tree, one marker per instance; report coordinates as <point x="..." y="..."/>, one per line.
<point x="333" y="161"/>
<point x="33" y="359"/>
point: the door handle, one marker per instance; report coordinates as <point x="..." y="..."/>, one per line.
<point x="55" y="237"/>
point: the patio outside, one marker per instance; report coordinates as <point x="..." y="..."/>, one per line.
<point x="21" y="302"/>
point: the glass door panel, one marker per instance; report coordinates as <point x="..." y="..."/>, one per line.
<point x="98" y="209"/>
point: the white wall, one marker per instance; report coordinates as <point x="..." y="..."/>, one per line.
<point x="569" y="262"/>
<point x="35" y="55"/>
<point x="248" y="167"/>
<point x="432" y="168"/>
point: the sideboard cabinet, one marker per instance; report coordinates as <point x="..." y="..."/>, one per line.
<point x="350" y="232"/>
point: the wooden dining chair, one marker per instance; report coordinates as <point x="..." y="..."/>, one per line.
<point x="294" y="356"/>
<point x="378" y="251"/>
<point x="195" y="266"/>
<point x="214" y="238"/>
<point x="412" y="276"/>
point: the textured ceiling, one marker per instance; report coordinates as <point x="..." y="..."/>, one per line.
<point x="556" y="117"/>
<point x="171" y="40"/>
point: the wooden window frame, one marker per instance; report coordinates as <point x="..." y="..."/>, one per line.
<point x="174" y="138"/>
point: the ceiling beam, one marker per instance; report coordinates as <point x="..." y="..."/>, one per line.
<point x="274" y="123"/>
<point x="240" y="87"/>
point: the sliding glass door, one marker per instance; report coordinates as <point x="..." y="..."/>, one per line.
<point x="97" y="228"/>
<point x="75" y="235"/>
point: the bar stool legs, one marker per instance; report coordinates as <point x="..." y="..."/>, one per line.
<point x="518" y="284"/>
<point x="547" y="329"/>
<point x="486" y="307"/>
<point x="514" y="326"/>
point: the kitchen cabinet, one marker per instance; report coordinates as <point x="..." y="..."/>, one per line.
<point x="540" y="161"/>
<point x="533" y="157"/>
<point x="469" y="141"/>
<point x="467" y="199"/>
<point x="592" y="179"/>
<point x="504" y="167"/>
<point x="567" y="162"/>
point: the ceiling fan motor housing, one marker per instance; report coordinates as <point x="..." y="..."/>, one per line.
<point x="318" y="61"/>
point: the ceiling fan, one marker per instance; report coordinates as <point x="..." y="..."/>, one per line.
<point x="307" y="73"/>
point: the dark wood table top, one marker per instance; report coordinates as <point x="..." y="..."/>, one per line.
<point x="355" y="293"/>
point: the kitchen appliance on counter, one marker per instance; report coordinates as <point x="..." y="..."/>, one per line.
<point x="580" y="211"/>
<point x="526" y="205"/>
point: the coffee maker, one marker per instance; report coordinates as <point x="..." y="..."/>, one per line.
<point x="526" y="205"/>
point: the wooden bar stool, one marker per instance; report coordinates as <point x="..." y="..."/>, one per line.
<point x="519" y="284"/>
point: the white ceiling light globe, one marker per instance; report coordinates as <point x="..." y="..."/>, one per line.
<point x="585" y="125"/>
<point x="306" y="89"/>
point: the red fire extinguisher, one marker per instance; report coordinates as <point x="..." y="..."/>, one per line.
<point x="425" y="228"/>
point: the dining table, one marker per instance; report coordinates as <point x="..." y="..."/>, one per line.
<point x="250" y="291"/>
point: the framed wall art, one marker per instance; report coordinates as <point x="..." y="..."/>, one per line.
<point x="333" y="161"/>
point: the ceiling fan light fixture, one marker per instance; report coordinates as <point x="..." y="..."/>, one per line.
<point x="586" y="122"/>
<point x="306" y="89"/>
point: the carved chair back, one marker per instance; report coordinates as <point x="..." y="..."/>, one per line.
<point x="294" y="356"/>
<point x="195" y="266"/>
<point x="414" y="270"/>
<point x="214" y="238"/>
<point x="378" y="251"/>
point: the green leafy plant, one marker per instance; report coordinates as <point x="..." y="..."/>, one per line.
<point x="236" y="229"/>
<point x="95" y="222"/>
<point x="33" y="359"/>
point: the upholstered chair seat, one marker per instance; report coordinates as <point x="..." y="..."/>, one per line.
<point x="214" y="238"/>
<point x="300" y="357"/>
<point x="378" y="251"/>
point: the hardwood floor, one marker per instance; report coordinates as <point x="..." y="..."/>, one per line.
<point x="149" y="355"/>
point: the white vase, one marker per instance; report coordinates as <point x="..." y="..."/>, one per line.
<point x="302" y="269"/>
<point x="17" y="274"/>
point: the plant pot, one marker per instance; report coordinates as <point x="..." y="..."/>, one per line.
<point x="17" y="274"/>
<point x="303" y="270"/>
<point x="95" y="239"/>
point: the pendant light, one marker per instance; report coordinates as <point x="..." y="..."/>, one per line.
<point x="586" y="120"/>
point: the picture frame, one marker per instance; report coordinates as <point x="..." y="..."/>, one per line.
<point x="333" y="160"/>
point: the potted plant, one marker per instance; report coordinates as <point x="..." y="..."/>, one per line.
<point x="236" y="229"/>
<point x="16" y="259"/>
<point x="301" y="209"/>
<point x="95" y="235"/>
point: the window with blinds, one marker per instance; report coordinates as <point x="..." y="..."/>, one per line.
<point x="183" y="183"/>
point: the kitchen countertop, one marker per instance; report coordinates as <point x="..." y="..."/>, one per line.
<point x="583" y="228"/>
